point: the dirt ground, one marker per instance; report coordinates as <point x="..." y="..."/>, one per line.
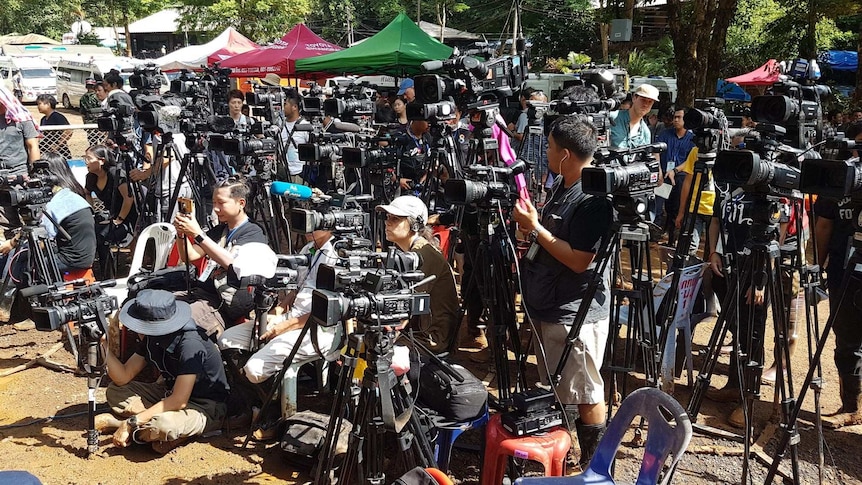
<point x="43" y="418"/>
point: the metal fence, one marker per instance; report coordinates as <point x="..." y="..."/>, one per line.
<point x="77" y="137"/>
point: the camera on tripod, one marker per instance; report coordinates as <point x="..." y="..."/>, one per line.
<point x="55" y="305"/>
<point x="381" y="297"/>
<point x="350" y="102"/>
<point x="485" y="185"/>
<point x="116" y="118"/>
<point x="37" y="190"/>
<point x="832" y="178"/>
<point x="794" y="105"/>
<point x="471" y="83"/>
<point x="356" y="257"/>
<point x="630" y="183"/>
<point x="286" y="274"/>
<point x="339" y="213"/>
<point x="146" y="79"/>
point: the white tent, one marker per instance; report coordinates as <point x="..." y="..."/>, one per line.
<point x="195" y="56"/>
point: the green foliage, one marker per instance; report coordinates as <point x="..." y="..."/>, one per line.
<point x="89" y="39"/>
<point x="557" y="28"/>
<point x="47" y="17"/>
<point x="657" y="60"/>
<point x="328" y="17"/>
<point x="260" y="20"/>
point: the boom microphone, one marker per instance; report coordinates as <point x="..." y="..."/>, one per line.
<point x="346" y="127"/>
<point x="290" y="190"/>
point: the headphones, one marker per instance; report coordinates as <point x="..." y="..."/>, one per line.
<point x="416" y="224"/>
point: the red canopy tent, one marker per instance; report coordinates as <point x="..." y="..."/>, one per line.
<point x="280" y="57"/>
<point x="236" y="45"/>
<point x="764" y="75"/>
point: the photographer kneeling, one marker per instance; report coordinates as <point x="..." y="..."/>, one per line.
<point x="406" y="221"/>
<point x="69" y="208"/>
<point x="188" y="401"/>
<point x="217" y="303"/>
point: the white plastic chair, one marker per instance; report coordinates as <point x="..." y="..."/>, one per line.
<point x="689" y="286"/>
<point x="163" y="234"/>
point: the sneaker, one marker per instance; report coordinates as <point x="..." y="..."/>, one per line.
<point x="165" y="447"/>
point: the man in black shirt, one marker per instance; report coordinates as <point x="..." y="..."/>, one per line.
<point x="566" y="236"/>
<point x="833" y="230"/>
<point x="216" y="303"/>
<point x="190" y="400"/>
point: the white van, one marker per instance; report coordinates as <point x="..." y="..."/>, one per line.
<point x="28" y="77"/>
<point x="71" y="75"/>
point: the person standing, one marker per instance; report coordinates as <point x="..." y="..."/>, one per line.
<point x="679" y="143"/>
<point x="292" y="138"/>
<point x="91" y="107"/>
<point x="565" y="238"/>
<point x="629" y="128"/>
<point x="57" y="141"/>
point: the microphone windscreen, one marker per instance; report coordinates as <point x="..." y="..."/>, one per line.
<point x="290" y="190"/>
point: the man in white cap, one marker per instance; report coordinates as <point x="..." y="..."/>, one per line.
<point x="629" y="128"/>
<point x="406" y="89"/>
<point x="188" y="401"/>
<point x="406" y="226"/>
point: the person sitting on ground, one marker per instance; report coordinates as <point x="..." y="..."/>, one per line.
<point x="190" y="398"/>
<point x="217" y="302"/>
<point x="406" y="219"/>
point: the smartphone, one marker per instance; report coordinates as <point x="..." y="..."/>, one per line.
<point x="186" y="206"/>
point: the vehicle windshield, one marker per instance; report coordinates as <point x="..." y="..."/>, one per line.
<point x="32" y="73"/>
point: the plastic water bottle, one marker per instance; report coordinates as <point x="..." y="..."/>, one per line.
<point x="813" y="70"/>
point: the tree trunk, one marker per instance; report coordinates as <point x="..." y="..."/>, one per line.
<point x="808" y="43"/>
<point x="683" y="25"/>
<point x="723" y="18"/>
<point x="857" y="94"/>
<point x="604" y="32"/>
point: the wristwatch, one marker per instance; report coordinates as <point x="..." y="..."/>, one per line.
<point x="199" y="239"/>
<point x="133" y="422"/>
<point x="533" y="236"/>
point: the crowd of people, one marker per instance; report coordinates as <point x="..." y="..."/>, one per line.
<point x="199" y="340"/>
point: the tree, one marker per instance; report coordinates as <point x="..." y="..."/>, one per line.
<point x="260" y="20"/>
<point x="698" y="29"/>
<point x="560" y="28"/>
<point x="444" y="9"/>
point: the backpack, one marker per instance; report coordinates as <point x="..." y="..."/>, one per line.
<point x="459" y="401"/>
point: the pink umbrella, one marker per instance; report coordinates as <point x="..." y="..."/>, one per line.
<point x="280" y="57"/>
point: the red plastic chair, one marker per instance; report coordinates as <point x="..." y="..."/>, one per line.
<point x="549" y="449"/>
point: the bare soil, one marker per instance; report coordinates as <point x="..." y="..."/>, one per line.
<point x="43" y="418"/>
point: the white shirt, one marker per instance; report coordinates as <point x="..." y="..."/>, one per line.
<point x="308" y="281"/>
<point x="294" y="164"/>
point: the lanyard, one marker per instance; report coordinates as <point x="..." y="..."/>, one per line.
<point x="231" y="232"/>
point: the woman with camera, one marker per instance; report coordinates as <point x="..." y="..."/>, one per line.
<point x="406" y="227"/>
<point x="108" y="184"/>
<point x="70" y="209"/>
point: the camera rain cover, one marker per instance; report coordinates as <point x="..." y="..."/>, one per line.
<point x="255" y="259"/>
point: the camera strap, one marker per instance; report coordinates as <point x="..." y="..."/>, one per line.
<point x="290" y="139"/>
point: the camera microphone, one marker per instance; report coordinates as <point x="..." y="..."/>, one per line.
<point x="304" y="127"/>
<point x="432" y="65"/>
<point x="346" y="127"/>
<point x="290" y="190"/>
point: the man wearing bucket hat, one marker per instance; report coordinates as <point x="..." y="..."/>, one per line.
<point x="190" y="398"/>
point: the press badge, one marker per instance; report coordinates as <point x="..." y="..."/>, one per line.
<point x="208" y="269"/>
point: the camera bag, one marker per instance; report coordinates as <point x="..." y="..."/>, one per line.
<point x="459" y="401"/>
<point x="169" y="279"/>
<point x="304" y="436"/>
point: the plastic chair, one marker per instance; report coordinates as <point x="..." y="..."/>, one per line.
<point x="549" y="449"/>
<point x="666" y="437"/>
<point x="163" y="234"/>
<point x="288" y="383"/>
<point x="448" y="432"/>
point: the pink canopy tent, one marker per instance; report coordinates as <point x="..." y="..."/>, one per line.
<point x="764" y="75"/>
<point x="194" y="56"/>
<point x="280" y="57"/>
<point x="236" y="45"/>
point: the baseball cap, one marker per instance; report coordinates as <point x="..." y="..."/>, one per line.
<point x="407" y="206"/>
<point x="90" y="82"/>
<point x="647" y="91"/>
<point x="405" y="85"/>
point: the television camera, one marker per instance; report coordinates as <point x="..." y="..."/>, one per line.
<point x="629" y="176"/>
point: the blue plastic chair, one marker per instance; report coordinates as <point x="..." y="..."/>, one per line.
<point x="664" y="440"/>
<point x="448" y="432"/>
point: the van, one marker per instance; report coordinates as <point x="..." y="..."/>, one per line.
<point x="28" y="77"/>
<point x="71" y="75"/>
<point x="666" y="87"/>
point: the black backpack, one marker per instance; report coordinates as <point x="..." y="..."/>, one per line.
<point x="458" y="401"/>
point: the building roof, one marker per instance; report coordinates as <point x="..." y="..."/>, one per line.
<point x="448" y="33"/>
<point x="166" y="21"/>
<point x="27" y="39"/>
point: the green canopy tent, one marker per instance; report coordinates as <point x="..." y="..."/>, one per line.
<point x="397" y="50"/>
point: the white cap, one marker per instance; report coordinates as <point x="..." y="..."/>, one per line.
<point x="647" y="91"/>
<point x="407" y="206"/>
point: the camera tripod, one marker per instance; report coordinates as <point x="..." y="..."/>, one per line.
<point x="758" y="267"/>
<point x="444" y="157"/>
<point x="384" y="407"/>
<point x="159" y="190"/>
<point x="631" y="233"/>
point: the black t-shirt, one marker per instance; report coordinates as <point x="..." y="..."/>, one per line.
<point x="841" y="214"/>
<point x="247" y="232"/>
<point x="110" y="195"/>
<point x="552" y="292"/>
<point x="188" y="351"/>
<point x="81" y="250"/>
<point x="51" y="143"/>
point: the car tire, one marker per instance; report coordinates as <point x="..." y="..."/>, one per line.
<point x="67" y="103"/>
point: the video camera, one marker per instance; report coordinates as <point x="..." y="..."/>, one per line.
<point x="116" y="118"/>
<point x="470" y="84"/>
<point x="339" y="213"/>
<point x="356" y="257"/>
<point x="629" y="176"/>
<point x="350" y="102"/>
<point x="146" y="79"/>
<point x="382" y="297"/>
<point x="485" y="186"/>
<point x="286" y="274"/>
<point x="56" y="305"/>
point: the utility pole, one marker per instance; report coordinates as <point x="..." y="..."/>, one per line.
<point x="516" y="26"/>
<point x="418" y="11"/>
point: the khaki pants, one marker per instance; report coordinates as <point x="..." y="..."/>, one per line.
<point x="199" y="417"/>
